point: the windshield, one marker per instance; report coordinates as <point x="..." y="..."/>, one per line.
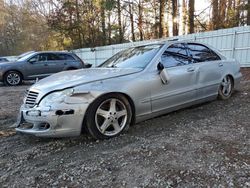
<point x="26" y="57"/>
<point x="137" y="57"/>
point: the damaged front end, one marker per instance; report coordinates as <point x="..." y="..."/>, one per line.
<point x="57" y="114"/>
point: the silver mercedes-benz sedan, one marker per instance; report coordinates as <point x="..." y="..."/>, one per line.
<point x="134" y="85"/>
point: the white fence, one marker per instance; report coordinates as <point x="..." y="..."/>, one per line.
<point x="233" y="43"/>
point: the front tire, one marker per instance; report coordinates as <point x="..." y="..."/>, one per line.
<point x="108" y="116"/>
<point x="12" y="78"/>
<point x="226" y="88"/>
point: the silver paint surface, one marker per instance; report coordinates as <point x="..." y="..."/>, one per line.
<point x="144" y="87"/>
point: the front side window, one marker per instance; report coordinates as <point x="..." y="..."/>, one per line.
<point x="175" y="55"/>
<point x="137" y="57"/>
<point x="42" y="57"/>
<point x="201" y="53"/>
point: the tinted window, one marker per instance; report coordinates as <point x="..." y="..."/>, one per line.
<point x="177" y="49"/>
<point x="65" y="57"/>
<point x="42" y="57"/>
<point x="201" y="53"/>
<point x="3" y="59"/>
<point x="175" y="55"/>
<point x="53" y="57"/>
<point x="137" y="57"/>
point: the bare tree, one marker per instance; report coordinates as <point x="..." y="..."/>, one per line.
<point x="162" y="22"/>
<point x="174" y="17"/>
<point x="184" y="16"/>
<point x="131" y="16"/>
<point x="215" y="14"/>
<point x="191" y="16"/>
<point x="119" y="21"/>
<point x="103" y="20"/>
<point x="140" y="15"/>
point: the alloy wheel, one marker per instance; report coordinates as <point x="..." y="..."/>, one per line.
<point x="13" y="78"/>
<point x="111" y="117"/>
<point x="226" y="86"/>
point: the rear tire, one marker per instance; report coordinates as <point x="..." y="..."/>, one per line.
<point x="12" y="78"/>
<point x="108" y="116"/>
<point x="226" y="88"/>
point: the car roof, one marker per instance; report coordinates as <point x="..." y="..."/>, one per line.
<point x="61" y="52"/>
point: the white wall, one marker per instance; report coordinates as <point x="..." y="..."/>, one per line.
<point x="233" y="43"/>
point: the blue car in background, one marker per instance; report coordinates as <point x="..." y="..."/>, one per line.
<point x="37" y="65"/>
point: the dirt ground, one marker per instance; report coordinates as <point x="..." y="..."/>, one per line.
<point x="203" y="146"/>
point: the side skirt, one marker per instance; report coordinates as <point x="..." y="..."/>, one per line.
<point x="175" y="108"/>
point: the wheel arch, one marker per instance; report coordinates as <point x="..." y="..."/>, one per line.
<point x="130" y="100"/>
<point x="230" y="75"/>
<point x="15" y="70"/>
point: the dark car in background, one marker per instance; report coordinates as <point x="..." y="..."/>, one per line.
<point x="37" y="65"/>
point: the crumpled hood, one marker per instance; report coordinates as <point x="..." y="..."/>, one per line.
<point x="73" y="78"/>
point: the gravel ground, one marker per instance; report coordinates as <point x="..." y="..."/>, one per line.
<point x="206" y="145"/>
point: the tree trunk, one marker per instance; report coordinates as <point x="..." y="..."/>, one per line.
<point x="156" y="24"/>
<point x="132" y="21"/>
<point x="222" y="11"/>
<point x="109" y="28"/>
<point x="140" y="20"/>
<point x="174" y="17"/>
<point x="162" y="23"/>
<point x="119" y="21"/>
<point x="78" y="25"/>
<point x="248" y="12"/>
<point x="184" y="16"/>
<point x="229" y="9"/>
<point x="103" y="18"/>
<point x="215" y="14"/>
<point x="191" y="16"/>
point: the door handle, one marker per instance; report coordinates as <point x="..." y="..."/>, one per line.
<point x="220" y="64"/>
<point x="190" y="69"/>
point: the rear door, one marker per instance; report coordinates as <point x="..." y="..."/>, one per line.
<point x="55" y="63"/>
<point x="181" y="87"/>
<point x="70" y="61"/>
<point x="209" y="68"/>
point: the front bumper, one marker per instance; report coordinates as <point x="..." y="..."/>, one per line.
<point x="61" y="121"/>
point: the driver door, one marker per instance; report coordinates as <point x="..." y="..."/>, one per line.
<point x="181" y="87"/>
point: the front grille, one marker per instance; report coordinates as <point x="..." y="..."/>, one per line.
<point x="31" y="97"/>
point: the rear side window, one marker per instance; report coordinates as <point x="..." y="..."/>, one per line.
<point x="53" y="57"/>
<point x="66" y="57"/>
<point x="175" y="55"/>
<point x="201" y="53"/>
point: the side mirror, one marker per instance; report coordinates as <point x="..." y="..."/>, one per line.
<point x="160" y="66"/>
<point x="87" y="65"/>
<point x="163" y="73"/>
